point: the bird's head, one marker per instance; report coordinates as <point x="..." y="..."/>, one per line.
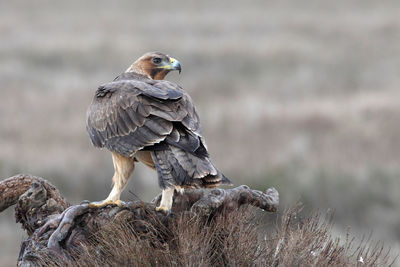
<point x="155" y="65"/>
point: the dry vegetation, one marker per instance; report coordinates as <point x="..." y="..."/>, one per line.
<point x="205" y="228"/>
<point x="235" y="239"/>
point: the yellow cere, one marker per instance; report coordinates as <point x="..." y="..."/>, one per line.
<point x="168" y="67"/>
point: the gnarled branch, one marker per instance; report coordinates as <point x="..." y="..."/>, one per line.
<point x="12" y="188"/>
<point x="56" y="228"/>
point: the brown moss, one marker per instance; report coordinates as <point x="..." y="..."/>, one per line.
<point x="234" y="239"/>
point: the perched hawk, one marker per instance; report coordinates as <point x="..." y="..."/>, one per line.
<point x="141" y="117"/>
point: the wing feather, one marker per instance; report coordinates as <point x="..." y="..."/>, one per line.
<point x="133" y="112"/>
<point x="136" y="118"/>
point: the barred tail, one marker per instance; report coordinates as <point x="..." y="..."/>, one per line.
<point x="176" y="166"/>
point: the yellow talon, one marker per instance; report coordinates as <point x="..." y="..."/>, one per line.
<point x="163" y="209"/>
<point x="119" y="203"/>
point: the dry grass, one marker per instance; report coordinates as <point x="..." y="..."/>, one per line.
<point x="236" y="239"/>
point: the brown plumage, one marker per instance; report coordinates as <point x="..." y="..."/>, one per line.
<point x="138" y="116"/>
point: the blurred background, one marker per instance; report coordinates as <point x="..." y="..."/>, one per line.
<point x="299" y="95"/>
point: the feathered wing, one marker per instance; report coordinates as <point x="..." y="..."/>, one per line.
<point x="135" y="113"/>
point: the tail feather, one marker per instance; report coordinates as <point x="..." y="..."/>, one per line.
<point x="169" y="170"/>
<point x="178" y="167"/>
<point x="225" y="180"/>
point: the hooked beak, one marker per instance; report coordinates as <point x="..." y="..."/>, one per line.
<point x="175" y="65"/>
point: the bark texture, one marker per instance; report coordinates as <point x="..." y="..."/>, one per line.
<point x="56" y="228"/>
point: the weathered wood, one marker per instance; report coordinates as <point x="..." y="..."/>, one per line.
<point x="55" y="228"/>
<point x="12" y="188"/>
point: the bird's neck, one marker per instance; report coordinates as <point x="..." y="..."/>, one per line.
<point x="139" y="70"/>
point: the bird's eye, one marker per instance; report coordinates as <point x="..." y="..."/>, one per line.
<point x="156" y="60"/>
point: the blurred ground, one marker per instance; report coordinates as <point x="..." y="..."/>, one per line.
<point x="300" y="95"/>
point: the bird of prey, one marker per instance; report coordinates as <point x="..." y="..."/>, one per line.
<point x="141" y="117"/>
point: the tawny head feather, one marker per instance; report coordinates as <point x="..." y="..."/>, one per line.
<point x="155" y="65"/>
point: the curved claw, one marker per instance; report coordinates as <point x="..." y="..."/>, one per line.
<point x="163" y="209"/>
<point x="120" y="203"/>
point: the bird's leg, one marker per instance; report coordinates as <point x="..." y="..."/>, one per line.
<point x="123" y="168"/>
<point x="166" y="200"/>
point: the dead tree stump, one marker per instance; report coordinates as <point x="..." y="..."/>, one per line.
<point x="56" y="228"/>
